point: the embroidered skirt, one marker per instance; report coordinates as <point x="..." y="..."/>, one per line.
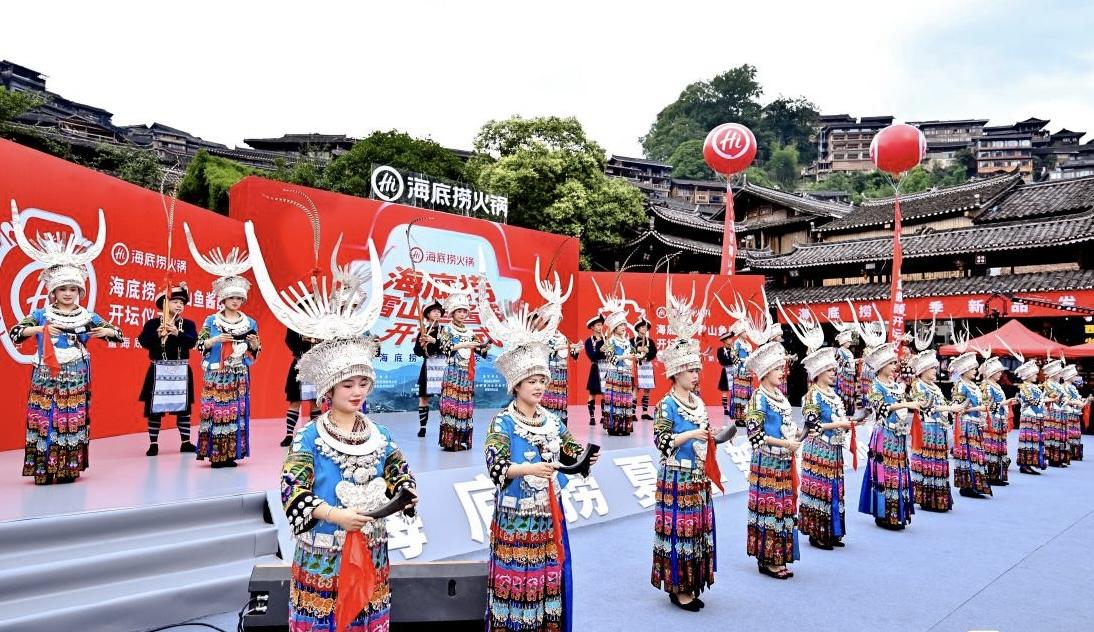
<point x="618" y="401"/>
<point x="1057" y="447"/>
<point x="742" y="394"/>
<point x="1075" y="435"/>
<point x="930" y="465"/>
<point x="58" y="423"/>
<point x="1031" y="446"/>
<point x="821" y="505"/>
<point x="772" y="521"/>
<point x="556" y="396"/>
<point x="685" y="541"/>
<point x="457" y="407"/>
<point x="970" y="465"/>
<point x="887" y="483"/>
<point x="314" y="589"/>
<point x="527" y="589"/>
<point x="995" y="446"/>
<point x="224" y="432"/>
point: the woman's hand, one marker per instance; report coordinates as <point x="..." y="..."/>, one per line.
<point x="252" y="342"/>
<point x="542" y="469"/>
<point x="792" y="445"/>
<point x="348" y="519"/>
<point x="100" y="332"/>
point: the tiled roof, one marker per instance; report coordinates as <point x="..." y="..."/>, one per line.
<point x="940" y="202"/>
<point x="982" y="238"/>
<point x="682" y="243"/>
<point x="791" y="200"/>
<point x="1057" y="197"/>
<point x="1034" y="282"/>
<point x="691" y="219"/>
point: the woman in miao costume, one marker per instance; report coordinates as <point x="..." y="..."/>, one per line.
<point x="847" y="371"/>
<point x="1057" y="449"/>
<point x="1069" y="377"/>
<point x="460" y="344"/>
<point x="1031" y="399"/>
<point x="340" y="465"/>
<point x="772" y="480"/>
<point x="741" y="384"/>
<point x="229" y="344"/>
<point x="619" y="358"/>
<point x="684" y="555"/>
<point x="821" y="506"/>
<point x="970" y="466"/>
<point x="887" y="484"/>
<point x="529" y="586"/>
<point x="556" y="398"/>
<point x="930" y="446"/>
<point x="998" y="422"/>
<point x="58" y="421"/>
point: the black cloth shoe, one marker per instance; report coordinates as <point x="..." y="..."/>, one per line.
<point x="287" y="441"/>
<point x="421" y="431"/>
<point x="690" y="606"/>
<point x="153" y="449"/>
<point x="187" y="447"/>
<point x="820" y="545"/>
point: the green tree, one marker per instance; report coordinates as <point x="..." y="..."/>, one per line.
<point x="966" y="159"/>
<point x="756" y="175"/>
<point x="790" y="122"/>
<point x="553" y="175"/>
<point x="208" y="179"/>
<point x="14" y="104"/>
<point x="136" y="166"/>
<point x="351" y="172"/>
<point x="304" y="172"/>
<point x="783" y="168"/>
<point x="688" y="162"/>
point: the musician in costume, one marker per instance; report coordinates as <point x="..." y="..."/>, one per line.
<point x="1057" y="448"/>
<point x="930" y="431"/>
<point x="684" y="551"/>
<point x="460" y="344"/>
<point x="1031" y="446"/>
<point x="341" y="466"/>
<point x="168" y="344"/>
<point x="58" y="418"/>
<point x="530" y="585"/>
<point x="427" y="346"/>
<point x="728" y="373"/>
<point x="594" y="345"/>
<point x="646" y="350"/>
<point x="970" y="467"/>
<point x="998" y="422"/>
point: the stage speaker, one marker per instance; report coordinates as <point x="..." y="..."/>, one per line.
<point x="423" y="594"/>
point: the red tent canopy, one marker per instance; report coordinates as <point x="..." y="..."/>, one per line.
<point x="1018" y="336"/>
<point x="1080" y="351"/>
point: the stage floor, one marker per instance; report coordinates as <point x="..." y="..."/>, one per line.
<point x="121" y="476"/>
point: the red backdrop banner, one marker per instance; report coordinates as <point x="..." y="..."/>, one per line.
<point x="650" y="295"/>
<point x="963" y="306"/>
<point x="57" y="195"/>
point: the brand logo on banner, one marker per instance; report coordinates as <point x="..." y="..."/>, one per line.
<point x="27" y="293"/>
<point x="415" y="189"/>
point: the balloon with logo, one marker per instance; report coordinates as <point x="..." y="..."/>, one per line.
<point x="898" y="148"/>
<point x="729" y="149"/>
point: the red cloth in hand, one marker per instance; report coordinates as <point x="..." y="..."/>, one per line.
<point x="557" y="519"/>
<point x="356" y="580"/>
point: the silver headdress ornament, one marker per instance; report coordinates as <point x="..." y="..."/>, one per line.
<point x="846" y="331"/>
<point x="923" y="361"/>
<point x="923" y="341"/>
<point x="64" y="256"/>
<point x="227" y="268"/>
<point x="685" y="323"/>
<point x="757" y="329"/>
<point x="878" y="353"/>
<point x="966" y="360"/>
<point x="337" y="315"/>
<point x="526" y="352"/>
<point x="739" y="314"/>
<point x="808" y="330"/>
<point x="1027" y="369"/>
<point x="614" y="308"/>
<point x="551" y="291"/>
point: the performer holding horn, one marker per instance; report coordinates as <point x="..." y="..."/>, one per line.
<point x="58" y="422"/>
<point x="619" y="358"/>
<point x="970" y="468"/>
<point x="887" y="486"/>
<point x="343" y="472"/>
<point x="741" y="384"/>
<point x="1057" y="448"/>
<point x="821" y="509"/>
<point x="169" y="383"/>
<point x="556" y="397"/>
<point x="847" y="371"/>
<point x="427" y="346"/>
<point x="530" y="585"/>
<point x="930" y="455"/>
<point x="1075" y="402"/>
<point x="1031" y="447"/>
<point x="998" y="422"/>
<point x="684" y="552"/>
<point x="229" y="344"/>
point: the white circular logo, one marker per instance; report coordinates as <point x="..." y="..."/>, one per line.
<point x="662" y="312"/>
<point x="387" y="183"/>
<point x="119" y="252"/>
<point x="731" y="141"/>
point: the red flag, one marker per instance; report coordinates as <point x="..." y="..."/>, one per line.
<point x="710" y="466"/>
<point x="558" y="519"/>
<point x="854" y="447"/>
<point x="917" y="431"/>
<point x="897" y="288"/>
<point x="729" y="236"/>
<point x="356" y="580"/>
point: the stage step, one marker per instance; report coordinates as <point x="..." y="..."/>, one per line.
<point x="132" y="569"/>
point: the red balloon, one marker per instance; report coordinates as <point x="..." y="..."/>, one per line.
<point x="729" y="148"/>
<point x="898" y="148"/>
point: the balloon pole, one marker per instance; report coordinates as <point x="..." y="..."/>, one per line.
<point x="897" y="289"/>
<point x="729" y="235"/>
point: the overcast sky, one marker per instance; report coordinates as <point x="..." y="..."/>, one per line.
<point x="231" y="70"/>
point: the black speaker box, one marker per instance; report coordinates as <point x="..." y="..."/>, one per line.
<point x="423" y="594"/>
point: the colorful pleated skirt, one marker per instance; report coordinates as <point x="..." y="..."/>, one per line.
<point x="224" y="431"/>
<point x="685" y="541"/>
<point x="846" y="388"/>
<point x="1075" y="435"/>
<point x="1057" y="447"/>
<point x="314" y="589"/>
<point x="820" y="506"/>
<point x="58" y="423"/>
<point x="1031" y="446"/>
<point x="887" y="483"/>
<point x="618" y="401"/>
<point x="742" y="394"/>
<point x="557" y="393"/>
<point x="527" y="589"/>
<point x="970" y="465"/>
<point x="457" y="407"/>
<point x="930" y="465"/>
<point x="995" y="446"/>
<point x="772" y="515"/>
